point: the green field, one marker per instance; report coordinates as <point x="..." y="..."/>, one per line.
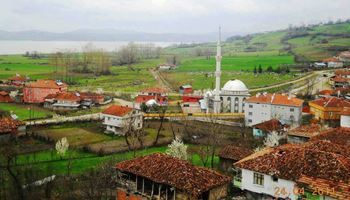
<point x="236" y="63"/>
<point x="25" y="112"/>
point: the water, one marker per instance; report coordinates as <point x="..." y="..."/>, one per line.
<point x="20" y="47"/>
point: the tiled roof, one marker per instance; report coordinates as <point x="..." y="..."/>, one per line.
<point x="342" y="72"/>
<point x="345" y="54"/>
<point x="68" y="96"/>
<point x="9" y="125"/>
<point x="270" y="125"/>
<point x="3" y="93"/>
<point x="276" y="99"/>
<point x="18" y="78"/>
<point x="341" y="189"/>
<point x="290" y="162"/>
<point x="155" y="90"/>
<point x="46" y="84"/>
<point x="234" y="152"/>
<point x="340" y="79"/>
<point x="306" y="130"/>
<point x="117" y="110"/>
<point x="326" y="92"/>
<point x="338" y="135"/>
<point x="328" y="146"/>
<point x="175" y="172"/>
<point x="331" y="102"/>
<point x="345" y="111"/>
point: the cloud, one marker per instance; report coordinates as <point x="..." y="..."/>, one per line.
<point x="167" y="15"/>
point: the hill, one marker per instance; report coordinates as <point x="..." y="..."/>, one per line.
<point x="306" y="44"/>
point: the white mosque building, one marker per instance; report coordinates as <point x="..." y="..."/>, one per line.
<point x="230" y="98"/>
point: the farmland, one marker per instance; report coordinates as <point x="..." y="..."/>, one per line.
<point x="25" y="112"/>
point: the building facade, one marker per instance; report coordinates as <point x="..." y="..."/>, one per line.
<point x="264" y="107"/>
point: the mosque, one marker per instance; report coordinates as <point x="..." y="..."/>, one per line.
<point x="230" y="98"/>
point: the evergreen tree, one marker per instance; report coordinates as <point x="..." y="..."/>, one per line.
<point x="269" y="69"/>
<point x="255" y="70"/>
<point x="260" y="69"/>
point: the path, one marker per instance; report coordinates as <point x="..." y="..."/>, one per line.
<point x="63" y="119"/>
<point x="161" y="80"/>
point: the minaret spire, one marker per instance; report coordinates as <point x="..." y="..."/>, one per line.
<point x="217" y="102"/>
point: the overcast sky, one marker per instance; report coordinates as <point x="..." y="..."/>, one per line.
<point x="167" y="16"/>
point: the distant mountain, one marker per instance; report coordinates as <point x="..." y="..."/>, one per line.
<point x="108" y="35"/>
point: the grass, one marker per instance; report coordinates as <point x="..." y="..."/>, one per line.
<point x="23" y="113"/>
<point x="75" y="136"/>
<point x="236" y="63"/>
<point x="200" y="80"/>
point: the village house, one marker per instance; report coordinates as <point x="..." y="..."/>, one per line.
<point x="345" y="117"/>
<point x="231" y="154"/>
<point x="10" y="127"/>
<point x="5" y="97"/>
<point x="303" y="133"/>
<point x="297" y="171"/>
<point x="264" y="128"/>
<point x="160" y="176"/>
<point x="345" y="73"/>
<point x="120" y="119"/>
<point x="333" y="63"/>
<point x="158" y="94"/>
<point x="339" y="135"/>
<point x="185" y="89"/>
<point x="328" y="109"/>
<point x="37" y="91"/>
<point x="166" y="66"/>
<point x="63" y="101"/>
<point x="17" y="80"/>
<point x="191" y="104"/>
<point x="320" y="65"/>
<point x="264" y="107"/>
<point x="94" y="98"/>
<point x="344" y="56"/>
<point x="339" y="82"/>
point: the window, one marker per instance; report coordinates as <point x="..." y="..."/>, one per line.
<point x="258" y="179"/>
<point x="292" y="110"/>
<point x="250" y="106"/>
<point x="250" y="113"/>
<point x="250" y="121"/>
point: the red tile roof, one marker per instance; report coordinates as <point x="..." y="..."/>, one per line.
<point x="338" y="135"/>
<point x="331" y="102"/>
<point x="290" y="162"/>
<point x="4" y="93"/>
<point x="326" y="92"/>
<point x="18" y="78"/>
<point x="175" y="172"/>
<point x="117" y="110"/>
<point x="328" y="146"/>
<point x="342" y="72"/>
<point x="9" y="125"/>
<point x="306" y="130"/>
<point x="340" y="79"/>
<point x="46" y="84"/>
<point x="234" y="152"/>
<point x="270" y="125"/>
<point x="155" y="90"/>
<point x="345" y="111"/>
<point x="68" y="96"/>
<point x="276" y="99"/>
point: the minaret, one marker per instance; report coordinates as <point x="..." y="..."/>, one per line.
<point x="217" y="101"/>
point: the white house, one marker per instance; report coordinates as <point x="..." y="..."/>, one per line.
<point x="345" y="117"/>
<point x="264" y="107"/>
<point x="292" y="171"/>
<point x="120" y="119"/>
<point x="333" y="63"/>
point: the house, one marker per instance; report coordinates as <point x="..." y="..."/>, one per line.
<point x="10" y="127"/>
<point x="333" y="63"/>
<point x="297" y="171"/>
<point x="345" y="73"/>
<point x="5" y="97"/>
<point x="37" y="91"/>
<point x="64" y="101"/>
<point x="328" y="109"/>
<point x="264" y="128"/>
<point x="158" y="94"/>
<point x="231" y="154"/>
<point x="166" y="67"/>
<point x="320" y="65"/>
<point x="264" y="107"/>
<point x="120" y="119"/>
<point x="160" y="176"/>
<point x="345" y="117"/>
<point x="191" y="104"/>
<point x="185" y="89"/>
<point x="17" y="80"/>
<point x="344" y="56"/>
<point x="340" y="136"/>
<point x="191" y="99"/>
<point x="340" y="82"/>
<point x="94" y="98"/>
<point x="303" y="133"/>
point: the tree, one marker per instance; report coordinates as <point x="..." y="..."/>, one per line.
<point x="177" y="149"/>
<point x="128" y="54"/>
<point x="260" y="69"/>
<point x="269" y="69"/>
<point x="255" y="71"/>
<point x="174" y="60"/>
<point x="62" y="146"/>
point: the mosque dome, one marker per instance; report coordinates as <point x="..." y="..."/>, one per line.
<point x="235" y="86"/>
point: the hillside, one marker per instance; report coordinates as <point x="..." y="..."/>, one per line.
<point x="305" y="43"/>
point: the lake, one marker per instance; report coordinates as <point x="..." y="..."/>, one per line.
<point x="8" y="47"/>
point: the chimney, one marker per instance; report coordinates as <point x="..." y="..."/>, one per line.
<point x="289" y="96"/>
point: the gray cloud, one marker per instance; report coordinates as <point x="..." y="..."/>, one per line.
<point x="179" y="16"/>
